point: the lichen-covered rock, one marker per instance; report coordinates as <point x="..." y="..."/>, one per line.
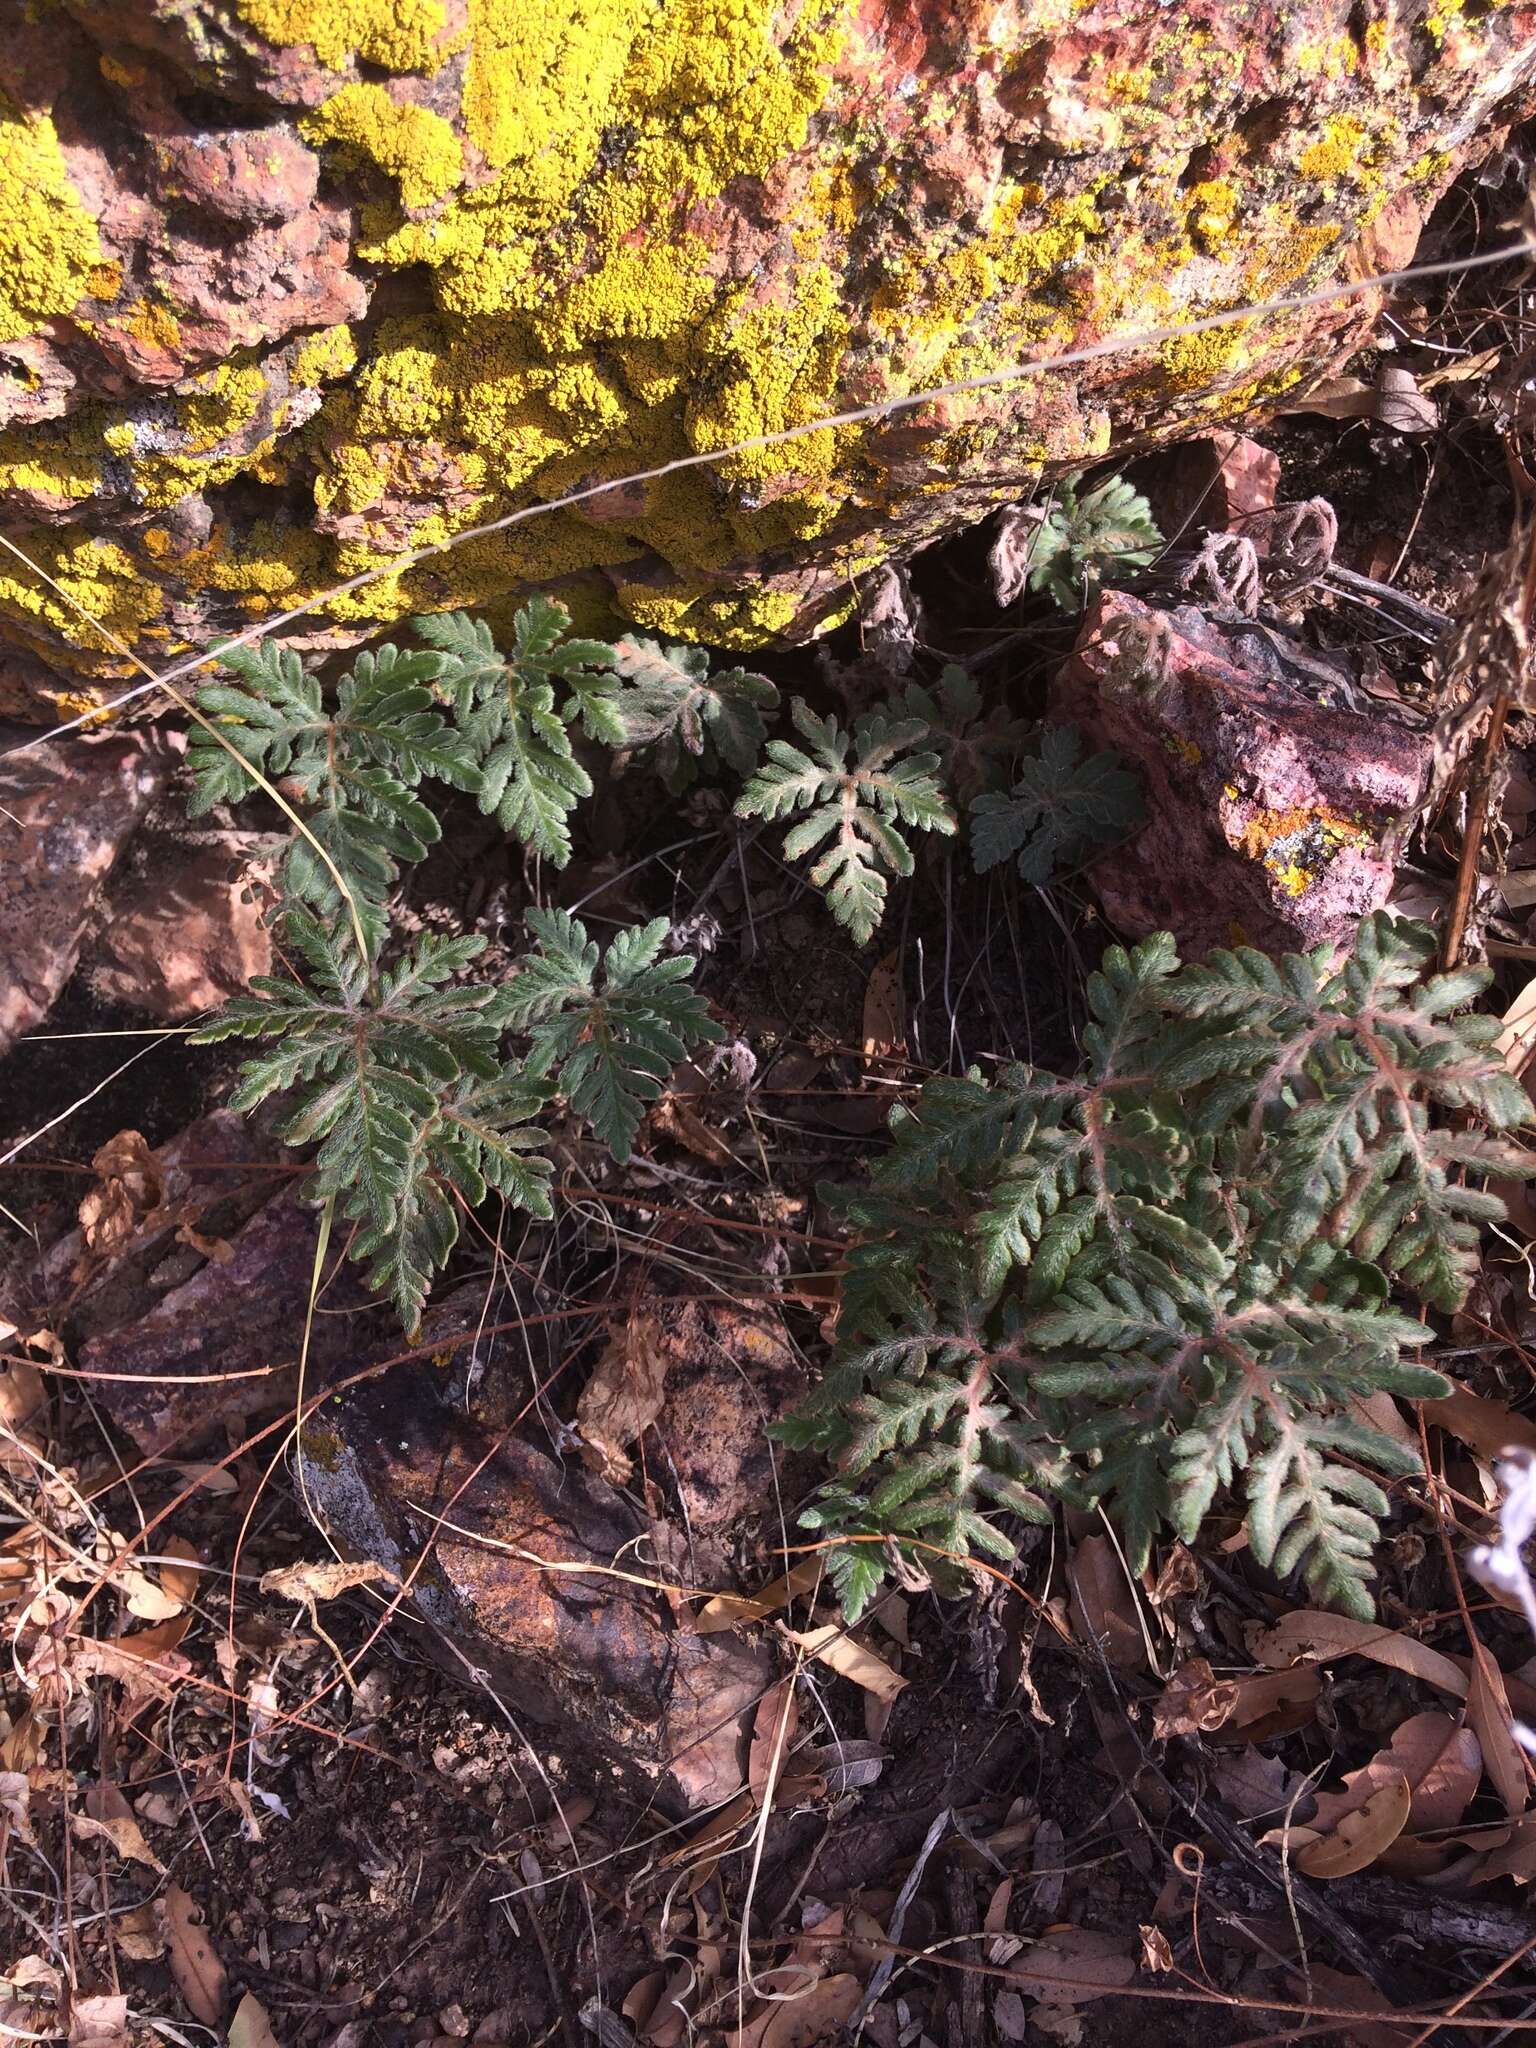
<point x="290" y="286"/>
<point x="1270" y="801"/>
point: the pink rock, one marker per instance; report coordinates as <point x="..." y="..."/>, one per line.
<point x="67" y="809"/>
<point x="1212" y="482"/>
<point x="1268" y="810"/>
<point x="239" y="174"/>
<point x="179" y="937"/>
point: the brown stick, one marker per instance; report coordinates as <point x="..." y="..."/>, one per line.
<point x="1482" y="786"/>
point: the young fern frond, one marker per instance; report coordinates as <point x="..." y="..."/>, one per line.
<point x="975" y="744"/>
<point x="1061" y="811"/>
<point x="606" y="1027"/>
<point x="397" y="1077"/>
<point x="677" y="711"/>
<point x="1180" y="1262"/>
<point x="516" y="712"/>
<point x="855" y="806"/>
<point x="356" y="770"/>
<point x="1082" y="538"/>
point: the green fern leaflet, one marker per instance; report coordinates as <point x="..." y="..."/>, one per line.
<point x="608" y="1027"/>
<point x="858" y="790"/>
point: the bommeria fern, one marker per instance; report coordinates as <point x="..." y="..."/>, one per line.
<point x="860" y="789"/>
<point x="1061" y="811"/>
<point x="1081" y="538"/>
<point x="1170" y="1276"/>
<point x="396" y="1074"/>
<point x="355" y="771"/>
<point x="609" y="1026"/>
<point x="680" y="715"/>
<point x="517" y="712"/>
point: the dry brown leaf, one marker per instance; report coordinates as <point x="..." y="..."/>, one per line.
<point x="1271" y="1703"/>
<point x="16" y="1804"/>
<point x="725" y="1610"/>
<point x="137" y="1935"/>
<point x="131" y="1184"/>
<point x="1337" y="398"/>
<point x="124" y="1834"/>
<point x="849" y="1659"/>
<point x="1194" y="1701"/>
<point x="1256" y="1787"/>
<point x="1313" y="1633"/>
<point x="1400" y="404"/>
<point x="816" y="2017"/>
<point x="1104" y="1611"/>
<point x="1437" y="1757"/>
<point x="1361" y="1834"/>
<point x="1485" y="1426"/>
<point x="304" y="1584"/>
<point x="885" y="1010"/>
<point x="180" y="1578"/>
<point x="1324" y="1986"/>
<point x="1489" y="1712"/>
<point x="250" y="2027"/>
<point x="200" y="1976"/>
<point x="674" y="1119"/>
<point x="624" y="1396"/>
<point x="99" y="2022"/>
<point x="1156" y="1954"/>
<point x="23" y="1396"/>
<point x="1073" y="1965"/>
<point x="773" y="1733"/>
<point x="1463" y="369"/>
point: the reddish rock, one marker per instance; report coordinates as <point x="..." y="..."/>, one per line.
<point x="1269" y="810"/>
<point x="225" y="1340"/>
<point x="67" y="809"/>
<point x="181" y="932"/>
<point x="404" y="1470"/>
<point x="1211" y="482"/>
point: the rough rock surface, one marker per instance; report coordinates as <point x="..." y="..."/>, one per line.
<point x="66" y="811"/>
<point x="289" y="286"/>
<point x="404" y="1468"/>
<point x="182" y="932"/>
<point x="1267" y="808"/>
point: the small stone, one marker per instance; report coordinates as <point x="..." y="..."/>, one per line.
<point x="454" y="2021"/>
<point x="182" y="933"/>
<point x="1268" y="809"/>
<point x="67" y="810"/>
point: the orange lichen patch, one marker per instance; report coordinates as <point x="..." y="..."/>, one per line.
<point x="1296" y="845"/>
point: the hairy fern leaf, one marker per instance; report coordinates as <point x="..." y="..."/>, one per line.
<point x="858" y="789"/>
<point x="1060" y="812"/>
<point x="608" y="1026"/>
<point x="675" y="708"/>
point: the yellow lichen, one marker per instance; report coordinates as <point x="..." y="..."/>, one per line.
<point x="330" y="353"/>
<point x="1193" y="362"/>
<point x="1296" y="845"/>
<point x="98" y="580"/>
<point x="397" y="35"/>
<point x="411" y="144"/>
<point x="1213" y="205"/>
<point x="49" y="246"/>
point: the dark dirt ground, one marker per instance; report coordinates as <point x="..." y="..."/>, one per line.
<point x="393" y="1867"/>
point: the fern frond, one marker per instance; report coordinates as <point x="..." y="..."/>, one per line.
<point x="608" y="1026"/>
<point x="1060" y="812"/>
<point x="855" y="806"/>
<point x="675" y="708"/>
